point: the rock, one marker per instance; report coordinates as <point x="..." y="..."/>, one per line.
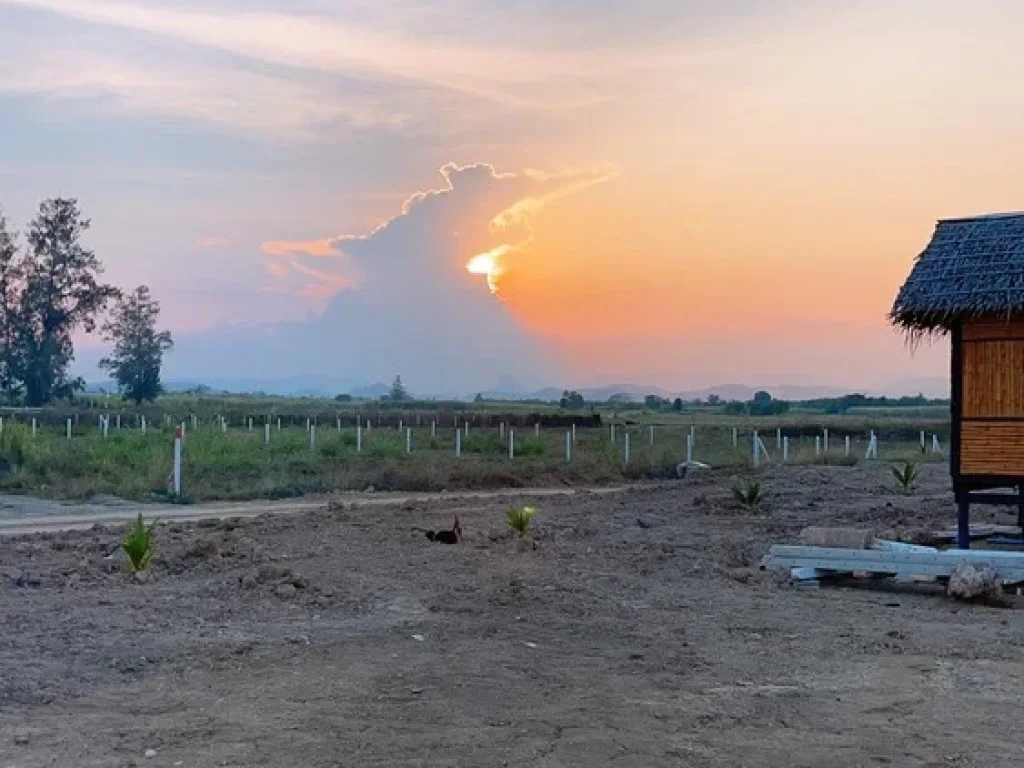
<point x="285" y="591"/>
<point x="14" y="575"/>
<point x="248" y="581"/>
<point x="974" y="581"/>
<point x="150" y="753"/>
<point x="840" y="538"/>
<point x="21" y="739"/>
<point x="686" y="468"/>
<point x="267" y="573"/>
<point x="205" y="549"/>
<point x="298" y="581"/>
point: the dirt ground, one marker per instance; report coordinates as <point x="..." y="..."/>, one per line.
<point x="638" y="632"/>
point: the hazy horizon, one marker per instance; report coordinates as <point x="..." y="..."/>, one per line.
<point x="671" y="194"/>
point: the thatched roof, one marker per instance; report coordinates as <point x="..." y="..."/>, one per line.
<point x="971" y="267"/>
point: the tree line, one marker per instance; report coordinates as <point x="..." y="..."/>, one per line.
<point x="50" y="287"/>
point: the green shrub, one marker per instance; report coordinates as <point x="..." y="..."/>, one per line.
<point x="519" y="519"/>
<point x="138" y="544"/>
<point x="749" y="496"/>
<point x="906" y="476"/>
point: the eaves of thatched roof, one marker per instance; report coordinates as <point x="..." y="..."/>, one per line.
<point x="972" y="267"/>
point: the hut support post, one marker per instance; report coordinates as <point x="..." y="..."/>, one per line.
<point x="963" y="522"/>
<point x="1020" y="508"/>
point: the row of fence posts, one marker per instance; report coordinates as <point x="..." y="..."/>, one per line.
<point x="759" y="451"/>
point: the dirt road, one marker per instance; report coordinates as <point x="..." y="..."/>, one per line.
<point x="639" y="632"/>
<point x="25" y="514"/>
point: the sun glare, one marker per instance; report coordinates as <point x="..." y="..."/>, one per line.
<point x="488" y="264"/>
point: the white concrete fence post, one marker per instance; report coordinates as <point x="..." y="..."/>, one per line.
<point x="511" y="443"/>
<point x="33" y="426"/>
<point x="312" y="436"/>
<point x="536" y="429"/>
<point x="626" y="452"/>
<point x="756" y="448"/>
<point x="824" y="440"/>
<point x="778" y="438"/>
<point x="69" y="429"/>
<point x="785" y="449"/>
<point x="652" y="435"/>
<point x="936" y="445"/>
<point x="847" y="447"/>
<point x="689" y="448"/>
<point x="142" y="424"/>
<point x="179" y="434"/>
<point x="574" y="431"/>
<point x="817" y="445"/>
<point x="568" y="446"/>
<point x="735" y="437"/>
<point x="408" y="439"/>
<point x="458" y="443"/>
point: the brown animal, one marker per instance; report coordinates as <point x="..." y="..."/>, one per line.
<point x="447" y="537"/>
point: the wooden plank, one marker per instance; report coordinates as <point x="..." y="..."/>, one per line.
<point x="993" y="378"/>
<point x="1009" y="566"/>
<point x="992" y="448"/>
<point x="983" y="328"/>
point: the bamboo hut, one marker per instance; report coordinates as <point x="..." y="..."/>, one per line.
<point x="969" y="283"/>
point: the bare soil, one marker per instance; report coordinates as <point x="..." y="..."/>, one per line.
<point x="638" y="631"/>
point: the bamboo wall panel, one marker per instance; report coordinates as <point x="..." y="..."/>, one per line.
<point x="992" y="448"/>
<point x="993" y="383"/>
<point x="994" y="328"/>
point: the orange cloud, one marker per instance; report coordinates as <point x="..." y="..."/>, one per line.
<point x="276" y="270"/>
<point x="213" y="242"/>
<point x="319" y="248"/>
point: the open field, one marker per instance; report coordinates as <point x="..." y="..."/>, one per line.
<point x="406" y="450"/>
<point x="238" y="464"/>
<point x="639" y="632"/>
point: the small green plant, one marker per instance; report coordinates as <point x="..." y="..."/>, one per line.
<point x="749" y="495"/>
<point x="519" y="519"/>
<point x="138" y="544"/>
<point x="906" y="476"/>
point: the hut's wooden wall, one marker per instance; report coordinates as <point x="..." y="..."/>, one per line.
<point x="992" y="398"/>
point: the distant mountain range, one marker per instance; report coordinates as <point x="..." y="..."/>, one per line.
<point x="324" y="386"/>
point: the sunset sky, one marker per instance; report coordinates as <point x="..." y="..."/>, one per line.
<point x="675" y="192"/>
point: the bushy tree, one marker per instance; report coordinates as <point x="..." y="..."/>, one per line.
<point x="654" y="402"/>
<point x="49" y="289"/>
<point x="10" y="278"/>
<point x="138" y="346"/>
<point x="571" y="400"/>
<point x="677" y="405"/>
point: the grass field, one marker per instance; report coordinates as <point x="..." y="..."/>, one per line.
<point x="237" y="463"/>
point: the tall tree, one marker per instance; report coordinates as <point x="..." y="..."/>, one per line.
<point x="10" y="279"/>
<point x="138" y="346"/>
<point x="398" y="390"/>
<point x="61" y="292"/>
